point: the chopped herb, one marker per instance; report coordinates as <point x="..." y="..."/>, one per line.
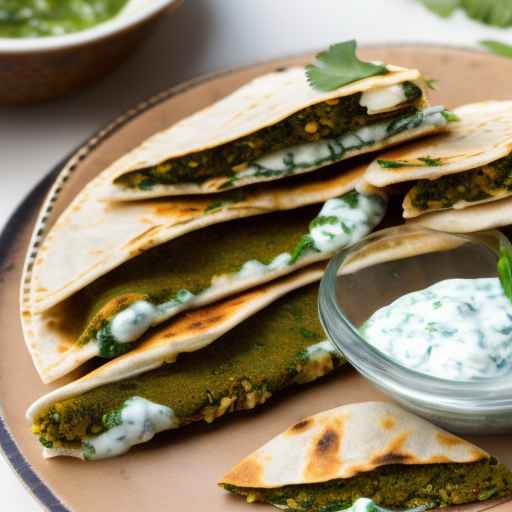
<point x="431" y="83"/>
<point x="146" y="184"/>
<point x="339" y="66"/>
<point x="497" y="47"/>
<point x="112" y="419"/>
<point x="214" y="205"/>
<point x="392" y="164"/>
<point x="323" y="220"/>
<point x="45" y="442"/>
<point x="88" y="450"/>
<point x="306" y="242"/>
<point x="450" y="116"/>
<point x="306" y="333"/>
<point x="397" y="164"/>
<point x="431" y="162"/>
<point x="505" y="267"/>
<point x="108" y="346"/>
<point x="352" y="199"/>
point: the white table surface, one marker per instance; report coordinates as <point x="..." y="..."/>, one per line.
<point x="202" y="36"/>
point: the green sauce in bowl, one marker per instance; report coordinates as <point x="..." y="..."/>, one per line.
<point x="43" y="18"/>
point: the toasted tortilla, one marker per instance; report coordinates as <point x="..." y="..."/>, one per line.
<point x="489" y="215"/>
<point x="59" y="341"/>
<point x="362" y="437"/>
<point x="190" y="332"/>
<point x="482" y="136"/>
<point x="351" y="441"/>
<point x="263" y="102"/>
<point x="104" y="235"/>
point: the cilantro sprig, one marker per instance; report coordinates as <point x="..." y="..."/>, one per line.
<point x="505" y="266"/>
<point x="339" y="66"/>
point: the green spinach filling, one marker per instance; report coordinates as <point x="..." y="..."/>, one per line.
<point x="40" y="18"/>
<point x="118" y="308"/>
<point x="397" y="486"/>
<point x="265" y="354"/>
<point x="486" y="182"/>
<point x="186" y="263"/>
<point x="325" y="120"/>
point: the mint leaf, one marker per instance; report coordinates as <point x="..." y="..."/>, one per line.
<point x="339" y="66"/>
<point x="503" y="49"/>
<point x="443" y="8"/>
<point x="505" y="267"/>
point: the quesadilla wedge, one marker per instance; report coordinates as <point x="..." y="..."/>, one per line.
<point x="275" y="126"/>
<point x="470" y="165"/>
<point x="373" y="450"/>
<point x="108" y="317"/>
<point x="242" y="351"/>
<point x="104" y="235"/>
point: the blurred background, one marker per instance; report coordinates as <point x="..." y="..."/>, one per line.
<point x="203" y="36"/>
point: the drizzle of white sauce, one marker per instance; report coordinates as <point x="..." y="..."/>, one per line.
<point x="344" y="224"/>
<point x="320" y="350"/>
<point x="458" y="329"/>
<point x="141" y="419"/>
<point x="382" y="99"/>
<point x="132" y="322"/>
<point x="300" y="158"/>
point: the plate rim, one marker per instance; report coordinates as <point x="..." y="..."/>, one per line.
<point x="46" y="191"/>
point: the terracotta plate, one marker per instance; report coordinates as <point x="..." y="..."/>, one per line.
<point x="179" y="470"/>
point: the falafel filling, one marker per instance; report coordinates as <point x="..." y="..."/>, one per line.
<point x="397" y="485"/>
<point x="491" y="181"/>
<point x="279" y="347"/>
<point x="330" y="119"/>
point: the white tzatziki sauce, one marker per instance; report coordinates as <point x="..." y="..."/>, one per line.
<point x="300" y="158"/>
<point x="459" y="329"/>
<point x="382" y="99"/>
<point x="138" y="421"/>
<point x="341" y="222"/>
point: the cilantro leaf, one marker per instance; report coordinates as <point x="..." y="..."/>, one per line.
<point x="503" y="49"/>
<point x="339" y="66"/>
<point x="443" y="8"/>
<point x="505" y="267"/>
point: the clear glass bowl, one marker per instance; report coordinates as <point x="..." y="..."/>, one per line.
<point x="385" y="266"/>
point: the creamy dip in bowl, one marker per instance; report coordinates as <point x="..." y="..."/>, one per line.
<point x="423" y="316"/>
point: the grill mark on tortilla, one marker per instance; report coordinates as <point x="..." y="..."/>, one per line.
<point x="300" y="427"/>
<point x="323" y="458"/>
<point x="388" y="422"/>
<point x="393" y="453"/>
